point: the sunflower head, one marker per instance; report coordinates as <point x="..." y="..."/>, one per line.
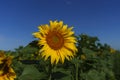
<point x="112" y="50"/>
<point x="57" y="41"/>
<point x="83" y="57"/>
<point x="6" y="72"/>
<point x="2" y="56"/>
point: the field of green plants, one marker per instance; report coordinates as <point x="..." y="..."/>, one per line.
<point x="94" y="61"/>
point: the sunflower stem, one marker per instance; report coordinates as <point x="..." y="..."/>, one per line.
<point x="50" y="77"/>
<point x="76" y="65"/>
<point x="50" y="71"/>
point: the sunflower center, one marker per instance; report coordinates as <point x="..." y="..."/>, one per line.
<point x="55" y="40"/>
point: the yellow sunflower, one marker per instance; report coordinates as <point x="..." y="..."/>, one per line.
<point x="112" y="50"/>
<point x="2" y="56"/>
<point x="8" y="75"/>
<point x="57" y="40"/>
<point x="6" y="72"/>
<point x="83" y="57"/>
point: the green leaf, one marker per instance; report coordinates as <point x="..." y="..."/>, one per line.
<point x="31" y="73"/>
<point x="75" y="60"/>
<point x="61" y="74"/>
<point x="95" y="75"/>
<point x="89" y="53"/>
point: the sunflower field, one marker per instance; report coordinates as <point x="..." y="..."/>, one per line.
<point x="57" y="54"/>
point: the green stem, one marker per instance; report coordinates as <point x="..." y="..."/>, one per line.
<point x="50" y="72"/>
<point x="76" y="65"/>
<point x="81" y="71"/>
<point x="50" y="77"/>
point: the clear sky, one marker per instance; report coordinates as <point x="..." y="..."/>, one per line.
<point x="20" y="18"/>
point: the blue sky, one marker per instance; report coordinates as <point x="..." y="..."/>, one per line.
<point x="20" y="18"/>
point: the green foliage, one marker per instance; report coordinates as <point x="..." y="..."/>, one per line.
<point x="96" y="62"/>
<point x="30" y="72"/>
<point x="93" y="75"/>
<point x="116" y="66"/>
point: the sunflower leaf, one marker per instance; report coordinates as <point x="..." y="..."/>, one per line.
<point x="61" y="74"/>
<point x="31" y="73"/>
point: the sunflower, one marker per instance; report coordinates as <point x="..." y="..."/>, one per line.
<point x="83" y="57"/>
<point x="2" y="56"/>
<point x="6" y="72"/>
<point x="57" y="41"/>
<point x="112" y="50"/>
